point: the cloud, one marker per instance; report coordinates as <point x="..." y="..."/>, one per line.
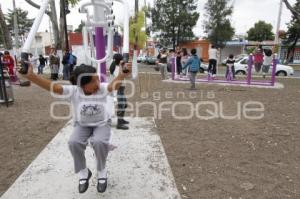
<point x="247" y="12"/>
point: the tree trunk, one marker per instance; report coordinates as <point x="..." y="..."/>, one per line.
<point x="5" y="31"/>
<point x="291" y="50"/>
<point x="174" y="38"/>
<point x="61" y="25"/>
<point x="53" y="18"/>
<point x="177" y="36"/>
<point x="290" y="7"/>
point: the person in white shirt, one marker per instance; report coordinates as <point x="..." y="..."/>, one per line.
<point x="213" y="55"/>
<point x="268" y="59"/>
<point x="91" y="118"/>
<point x="33" y="60"/>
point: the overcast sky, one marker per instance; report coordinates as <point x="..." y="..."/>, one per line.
<point x="245" y="14"/>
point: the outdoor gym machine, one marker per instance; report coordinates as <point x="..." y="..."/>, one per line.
<point x="100" y="22"/>
<point x="30" y="38"/>
<point x="228" y="81"/>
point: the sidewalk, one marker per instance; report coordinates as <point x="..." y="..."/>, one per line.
<point x="137" y="169"/>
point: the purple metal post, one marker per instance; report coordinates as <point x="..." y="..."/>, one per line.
<point x="249" y="73"/>
<point x="273" y="71"/>
<point x="100" y="51"/>
<point x="173" y="67"/>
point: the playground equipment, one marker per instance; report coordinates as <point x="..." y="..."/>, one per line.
<point x="100" y="22"/>
<point x="227" y="80"/>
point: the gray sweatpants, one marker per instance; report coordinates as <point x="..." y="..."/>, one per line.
<point x="163" y="71"/>
<point x="193" y="79"/>
<point x="99" y="139"/>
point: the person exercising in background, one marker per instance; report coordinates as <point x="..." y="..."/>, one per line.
<point x="114" y="70"/>
<point x="258" y="55"/>
<point x="230" y="67"/>
<point x="213" y="54"/>
<point x="8" y="61"/>
<point x="54" y="62"/>
<point x="162" y="60"/>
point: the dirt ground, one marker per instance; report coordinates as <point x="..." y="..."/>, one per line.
<point x="25" y="129"/>
<point x="214" y="158"/>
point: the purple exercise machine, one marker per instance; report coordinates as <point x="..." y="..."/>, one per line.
<point x="249" y="80"/>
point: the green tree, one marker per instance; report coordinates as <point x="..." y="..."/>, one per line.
<point x="5" y="38"/>
<point x="296" y="13"/>
<point x="217" y="24"/>
<point x="173" y="20"/>
<point x="260" y="32"/>
<point x="142" y="37"/>
<point x="24" y="23"/>
<point x="292" y="35"/>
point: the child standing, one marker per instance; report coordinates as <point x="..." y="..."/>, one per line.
<point x="193" y="63"/>
<point x="230" y="67"/>
<point x="91" y="118"/>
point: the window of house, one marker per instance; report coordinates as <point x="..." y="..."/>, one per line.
<point x="297" y="55"/>
<point x="283" y="53"/>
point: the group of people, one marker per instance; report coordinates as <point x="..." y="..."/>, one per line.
<point x="69" y="61"/>
<point x="262" y="59"/>
<point x="182" y="57"/>
<point x="42" y="62"/>
<point x="185" y="63"/>
<point x="88" y="97"/>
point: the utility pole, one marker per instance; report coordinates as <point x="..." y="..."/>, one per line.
<point x="16" y="28"/>
<point x="136" y="20"/>
<point x="145" y="5"/>
<point x="50" y="29"/>
<point x="278" y="23"/>
<point x="65" y="12"/>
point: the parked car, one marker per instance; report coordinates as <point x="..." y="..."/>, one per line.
<point x="241" y="68"/>
<point x="141" y="58"/>
<point x="151" y="60"/>
<point x="237" y="58"/>
<point x="203" y="67"/>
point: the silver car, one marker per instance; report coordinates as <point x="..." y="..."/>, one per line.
<point x="241" y="68"/>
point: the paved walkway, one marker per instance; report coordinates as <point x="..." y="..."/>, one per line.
<point x="137" y="169"/>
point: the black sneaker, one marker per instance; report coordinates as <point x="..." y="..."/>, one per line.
<point x="122" y="127"/>
<point x="101" y="187"/>
<point x="83" y="187"/>
<point x="124" y="121"/>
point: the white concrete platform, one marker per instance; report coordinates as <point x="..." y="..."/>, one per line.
<point x="137" y="169"/>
